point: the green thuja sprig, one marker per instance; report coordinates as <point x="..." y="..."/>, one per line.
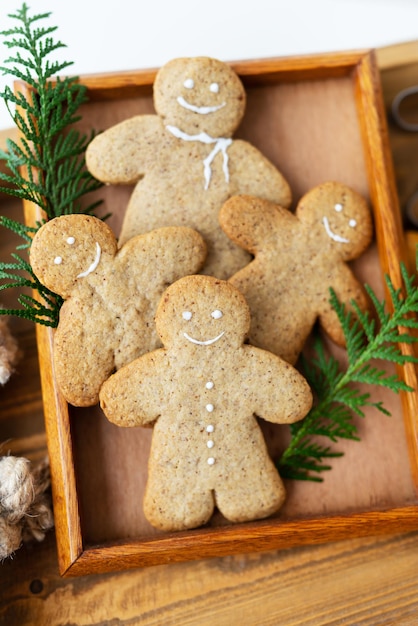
<point x="19" y="274"/>
<point x="337" y="398"/>
<point x="50" y="148"/>
<point x="46" y="165"/>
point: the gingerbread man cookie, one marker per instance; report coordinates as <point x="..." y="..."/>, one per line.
<point x="297" y="259"/>
<point x="184" y="161"/>
<point x="111" y="295"/>
<point x="203" y="391"/>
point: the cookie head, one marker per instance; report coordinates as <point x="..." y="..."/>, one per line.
<point x="69" y="248"/>
<point x="199" y="94"/>
<point x="202" y="311"/>
<point x="338" y="217"/>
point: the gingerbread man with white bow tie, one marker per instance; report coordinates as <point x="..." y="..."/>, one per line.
<point x="184" y="162"/>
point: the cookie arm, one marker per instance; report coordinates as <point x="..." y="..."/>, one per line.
<point x="347" y="289"/>
<point x="165" y="254"/>
<point x="123" y="153"/>
<point x="251" y="222"/>
<point x="253" y="174"/>
<point x="133" y="395"/>
<point x="282" y="394"/>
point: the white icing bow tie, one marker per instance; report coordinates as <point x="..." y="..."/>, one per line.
<point x="221" y="144"/>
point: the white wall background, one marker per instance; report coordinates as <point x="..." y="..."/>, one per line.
<point x="103" y="35"/>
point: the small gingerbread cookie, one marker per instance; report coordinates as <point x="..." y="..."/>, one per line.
<point x="184" y="161"/>
<point x="297" y="259"/>
<point x="111" y="295"/>
<point x="203" y="391"/>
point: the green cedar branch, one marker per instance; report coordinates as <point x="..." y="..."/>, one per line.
<point x="338" y="399"/>
<point x="46" y="166"/>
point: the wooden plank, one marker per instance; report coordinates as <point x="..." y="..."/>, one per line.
<point x="364" y="582"/>
<point x="21" y="406"/>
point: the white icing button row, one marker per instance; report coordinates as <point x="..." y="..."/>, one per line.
<point x="209" y="429"/>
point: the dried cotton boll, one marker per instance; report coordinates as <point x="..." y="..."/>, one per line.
<point x="9" y="352"/>
<point x="25" y="502"/>
<point x="16" y="487"/>
<point x="10" y="538"/>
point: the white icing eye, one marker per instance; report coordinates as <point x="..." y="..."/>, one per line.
<point x="71" y="240"/>
<point x="214" y="88"/>
<point x="338" y="207"/>
<point x="189" y="83"/>
<point x="352" y="223"/>
<point x="216" y="314"/>
<point x="58" y="260"/>
<point x="187" y="315"/>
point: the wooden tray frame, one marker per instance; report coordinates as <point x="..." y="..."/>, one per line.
<point x="77" y="558"/>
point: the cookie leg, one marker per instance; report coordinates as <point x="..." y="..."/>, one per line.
<point x="252" y="496"/>
<point x="169" y="505"/>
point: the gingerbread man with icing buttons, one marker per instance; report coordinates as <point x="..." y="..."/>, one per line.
<point x="111" y="295"/>
<point x="183" y="160"/>
<point x="203" y="392"/>
<point x="297" y="259"/>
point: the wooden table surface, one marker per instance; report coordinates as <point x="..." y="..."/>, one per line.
<point x="369" y="581"/>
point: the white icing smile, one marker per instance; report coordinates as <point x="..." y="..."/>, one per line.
<point x="95" y="263"/>
<point x="202" y="110"/>
<point x="333" y="236"/>
<point x="208" y="342"/>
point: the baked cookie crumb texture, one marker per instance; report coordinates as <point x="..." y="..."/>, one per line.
<point x="203" y="391"/>
<point x="297" y="259"/>
<point x="111" y="294"/>
<point x="184" y="161"/>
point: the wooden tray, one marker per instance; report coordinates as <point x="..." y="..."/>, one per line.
<point x="317" y="118"/>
